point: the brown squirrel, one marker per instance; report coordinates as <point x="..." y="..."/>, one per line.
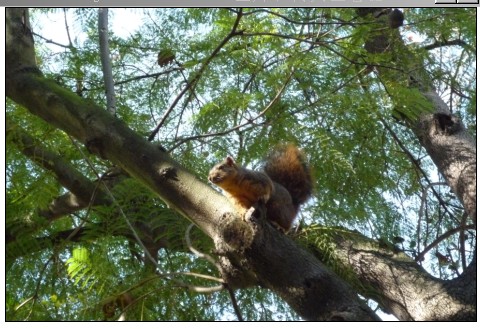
<point x="285" y="184"/>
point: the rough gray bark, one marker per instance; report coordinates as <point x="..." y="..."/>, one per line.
<point x="306" y="284"/>
<point x="453" y="151"/>
<point x="400" y="285"/>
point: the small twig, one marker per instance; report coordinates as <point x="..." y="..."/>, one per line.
<point x="415" y="162"/>
<point x="151" y="75"/>
<point x="235" y="304"/>
<point x="207" y="257"/>
<point x="423" y="203"/>
<point x="198" y="275"/>
<point x="23" y="303"/>
<point x="241" y="125"/>
<point x="192" y="83"/>
<point x="67" y="27"/>
<point x="51" y="41"/>
<point x="456" y="42"/>
<point x="204" y="290"/>
<point x="462" y="241"/>
<point x="216" y="288"/>
<point x="115" y="202"/>
<point x="37" y="287"/>
<point x="441" y="238"/>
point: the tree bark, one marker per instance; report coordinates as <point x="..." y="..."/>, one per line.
<point x="400" y="285"/>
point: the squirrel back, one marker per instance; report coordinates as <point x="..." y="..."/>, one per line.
<point x="284" y="186"/>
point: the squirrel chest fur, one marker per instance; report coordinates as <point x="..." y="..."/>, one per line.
<point x="283" y="186"/>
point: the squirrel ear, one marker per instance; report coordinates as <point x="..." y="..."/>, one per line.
<point x="230" y="161"/>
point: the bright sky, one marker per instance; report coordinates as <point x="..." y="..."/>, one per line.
<point x="124" y="22"/>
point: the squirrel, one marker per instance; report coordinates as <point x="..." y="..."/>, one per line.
<point x="284" y="184"/>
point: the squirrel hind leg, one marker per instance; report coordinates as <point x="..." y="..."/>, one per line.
<point x="260" y="212"/>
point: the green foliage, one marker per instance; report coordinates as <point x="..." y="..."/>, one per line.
<point x="80" y="269"/>
<point x="344" y="118"/>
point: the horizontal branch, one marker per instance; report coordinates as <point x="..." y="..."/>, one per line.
<point x="456" y="42"/>
<point x="393" y="279"/>
<point x="83" y="190"/>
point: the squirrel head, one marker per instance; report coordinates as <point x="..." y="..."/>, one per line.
<point x="224" y="172"/>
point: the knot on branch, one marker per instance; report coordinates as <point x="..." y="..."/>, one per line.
<point x="446" y="124"/>
<point x="379" y="40"/>
<point x="395" y="19"/>
<point x="236" y="234"/>
<point x="168" y="173"/>
<point x="234" y="237"/>
<point x="95" y="146"/>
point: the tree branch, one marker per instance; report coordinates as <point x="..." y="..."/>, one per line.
<point x="393" y="279"/>
<point x="83" y="189"/>
<point x="456" y="42"/>
<point x="106" y="61"/>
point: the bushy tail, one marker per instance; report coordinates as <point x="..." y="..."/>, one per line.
<point x="287" y="166"/>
